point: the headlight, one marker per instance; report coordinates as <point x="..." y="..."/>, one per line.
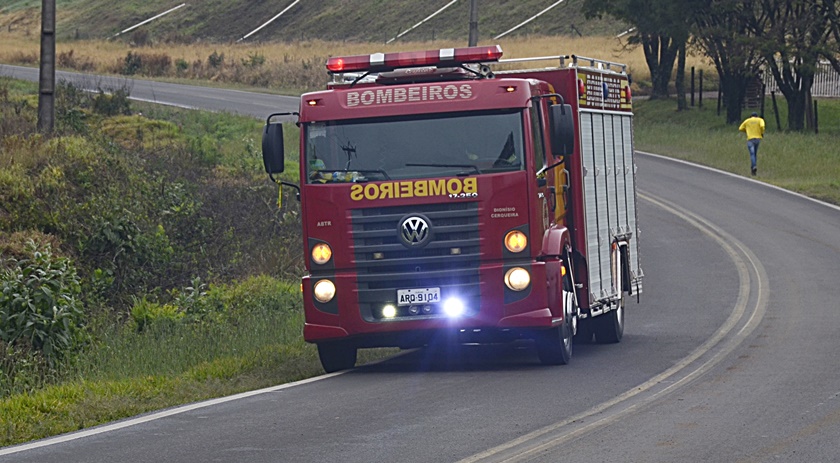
<point x="517" y="278"/>
<point x="321" y="253"/>
<point x="516" y="241"/>
<point x="324" y="291"/>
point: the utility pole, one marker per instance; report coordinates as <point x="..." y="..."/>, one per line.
<point x="473" y="23"/>
<point x="46" y="96"/>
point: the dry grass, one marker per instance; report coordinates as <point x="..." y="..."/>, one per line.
<point x="296" y="66"/>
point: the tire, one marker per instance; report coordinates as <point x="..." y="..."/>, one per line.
<point x="609" y="328"/>
<point x="554" y="346"/>
<point x="337" y="356"/>
<point x="552" y="349"/>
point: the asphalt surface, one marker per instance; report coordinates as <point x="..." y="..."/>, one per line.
<point x="729" y="356"/>
<point x="259" y="105"/>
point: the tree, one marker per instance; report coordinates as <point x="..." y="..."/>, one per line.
<point x="796" y="33"/>
<point x="725" y="31"/>
<point x="833" y="46"/>
<point x="661" y="28"/>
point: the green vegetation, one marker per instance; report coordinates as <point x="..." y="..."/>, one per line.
<point x="801" y="162"/>
<point x="143" y="262"/>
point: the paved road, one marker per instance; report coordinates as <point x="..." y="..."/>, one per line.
<point x="259" y="105"/>
<point x="730" y="356"/>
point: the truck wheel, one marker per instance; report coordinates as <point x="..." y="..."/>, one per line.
<point x="554" y="346"/>
<point x="609" y="328"/>
<point x="336" y="356"/>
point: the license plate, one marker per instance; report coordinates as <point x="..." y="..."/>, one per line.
<point x="418" y="296"/>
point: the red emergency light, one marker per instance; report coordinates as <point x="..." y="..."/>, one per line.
<point x="378" y="62"/>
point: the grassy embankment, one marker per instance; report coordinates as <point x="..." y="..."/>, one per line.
<point x="154" y="195"/>
<point x="807" y="163"/>
<point x="333" y="20"/>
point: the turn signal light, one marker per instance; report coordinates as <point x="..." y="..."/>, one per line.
<point x="516" y="241"/>
<point x="321" y="253"/>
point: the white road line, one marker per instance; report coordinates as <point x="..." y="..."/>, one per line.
<point x="741" y="177"/>
<point x="155" y="416"/>
<point x="552" y="436"/>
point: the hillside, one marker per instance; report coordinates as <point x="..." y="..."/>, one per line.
<point x="358" y="20"/>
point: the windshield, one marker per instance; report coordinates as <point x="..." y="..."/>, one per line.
<point x="414" y="147"/>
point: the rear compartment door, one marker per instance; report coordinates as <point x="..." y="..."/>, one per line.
<point x="609" y="198"/>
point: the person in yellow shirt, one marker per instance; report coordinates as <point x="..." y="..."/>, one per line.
<point x="754" y="127"/>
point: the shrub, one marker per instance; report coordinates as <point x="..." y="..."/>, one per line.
<point x="156" y="64"/>
<point x="39" y="302"/>
<point x="150" y="64"/>
<point x="253" y="295"/>
<point x="69" y="60"/>
<point x="216" y="59"/>
<point x="254" y="60"/>
<point x="114" y="103"/>
<point x="181" y="66"/>
<point x="146" y="314"/>
<point x="17" y="116"/>
<point x="132" y="64"/>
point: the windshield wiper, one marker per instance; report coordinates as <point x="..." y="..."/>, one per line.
<point x="461" y="166"/>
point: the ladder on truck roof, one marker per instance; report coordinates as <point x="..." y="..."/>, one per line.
<point x="577" y="61"/>
<point x="357" y="69"/>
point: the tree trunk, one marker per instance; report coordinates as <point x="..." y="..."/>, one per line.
<point x="734" y="88"/>
<point x="679" y="80"/>
<point x="660" y="54"/>
<point x="796" y="111"/>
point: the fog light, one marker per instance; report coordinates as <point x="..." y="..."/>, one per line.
<point x="453" y="307"/>
<point x="517" y="278"/>
<point x="389" y="311"/>
<point x="414" y="310"/>
<point x="324" y="291"/>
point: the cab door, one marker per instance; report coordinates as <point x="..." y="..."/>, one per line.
<point x="546" y="190"/>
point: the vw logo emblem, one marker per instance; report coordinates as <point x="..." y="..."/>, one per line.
<point x="414" y="231"/>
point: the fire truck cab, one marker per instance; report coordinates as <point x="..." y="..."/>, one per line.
<point x="443" y="199"/>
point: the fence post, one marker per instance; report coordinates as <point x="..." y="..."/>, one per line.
<point x="763" y="91"/>
<point x="700" y="91"/>
<point x="816" y="119"/>
<point x="776" y="110"/>
<point x="692" y="85"/>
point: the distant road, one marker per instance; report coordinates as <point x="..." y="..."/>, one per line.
<point x="259" y="105"/>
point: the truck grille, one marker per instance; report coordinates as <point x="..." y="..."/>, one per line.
<point x="449" y="261"/>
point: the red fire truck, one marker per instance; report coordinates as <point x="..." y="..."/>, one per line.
<point x="443" y="199"/>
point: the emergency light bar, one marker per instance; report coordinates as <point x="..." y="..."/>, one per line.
<point x="379" y="62"/>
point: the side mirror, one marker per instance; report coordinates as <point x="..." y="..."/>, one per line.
<point x="272" y="149"/>
<point x="562" y="129"/>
